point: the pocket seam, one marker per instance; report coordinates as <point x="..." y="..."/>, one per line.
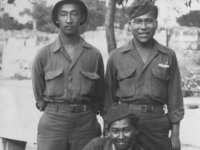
<point x="157" y="74"/>
<point x="90" y="75"/>
<point x="52" y="74"/>
<point x="125" y="74"/>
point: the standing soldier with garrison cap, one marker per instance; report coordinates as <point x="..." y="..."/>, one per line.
<point x="68" y="83"/>
<point x="145" y="76"/>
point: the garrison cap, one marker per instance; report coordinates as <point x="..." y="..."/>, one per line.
<point x="81" y="4"/>
<point x="140" y="7"/>
<point x="118" y="112"/>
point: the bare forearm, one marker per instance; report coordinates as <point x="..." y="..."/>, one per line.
<point x="175" y="128"/>
<point x="175" y="141"/>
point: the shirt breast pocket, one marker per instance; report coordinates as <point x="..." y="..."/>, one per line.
<point x="126" y="83"/>
<point x="159" y="83"/>
<point x="88" y="82"/>
<point x="54" y="83"/>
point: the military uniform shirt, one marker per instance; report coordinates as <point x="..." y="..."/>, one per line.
<point x="105" y="143"/>
<point x="57" y="78"/>
<point x="128" y="79"/>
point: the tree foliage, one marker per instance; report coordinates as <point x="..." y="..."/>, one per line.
<point x="121" y="17"/>
<point x="41" y="13"/>
<point x="190" y="19"/>
<point x="96" y="15"/>
<point x="9" y="23"/>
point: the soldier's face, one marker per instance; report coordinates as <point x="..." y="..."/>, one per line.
<point x="144" y="27"/>
<point x="122" y="133"/>
<point x="69" y="19"/>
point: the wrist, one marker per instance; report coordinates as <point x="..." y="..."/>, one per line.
<point x="175" y="129"/>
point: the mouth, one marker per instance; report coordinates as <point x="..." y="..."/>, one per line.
<point x="69" y="27"/>
<point x="144" y="34"/>
<point x="121" y="143"/>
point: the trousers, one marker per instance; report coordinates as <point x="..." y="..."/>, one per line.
<point x="153" y="131"/>
<point x="60" y="129"/>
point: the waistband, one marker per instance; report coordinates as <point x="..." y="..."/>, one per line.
<point x="74" y="108"/>
<point x="146" y="108"/>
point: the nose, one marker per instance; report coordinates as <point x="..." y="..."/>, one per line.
<point x="144" y="25"/>
<point x="121" y="135"/>
<point x="68" y="19"/>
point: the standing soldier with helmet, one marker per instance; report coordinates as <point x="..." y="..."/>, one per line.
<point x="68" y="83"/>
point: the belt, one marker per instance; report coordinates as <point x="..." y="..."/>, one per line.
<point x="74" y="108"/>
<point x="147" y="108"/>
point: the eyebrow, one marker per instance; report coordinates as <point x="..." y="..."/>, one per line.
<point x="144" y="19"/>
<point x="74" y="10"/>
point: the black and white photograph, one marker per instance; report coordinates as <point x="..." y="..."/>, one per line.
<point x="99" y="74"/>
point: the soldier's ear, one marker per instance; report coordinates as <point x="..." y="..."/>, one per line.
<point x="107" y="132"/>
<point x="82" y="18"/>
<point x="129" y="25"/>
<point x="156" y="24"/>
<point x="56" y="20"/>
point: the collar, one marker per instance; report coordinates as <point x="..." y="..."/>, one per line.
<point x="156" y="46"/>
<point x="56" y="45"/>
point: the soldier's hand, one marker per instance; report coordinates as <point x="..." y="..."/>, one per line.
<point x="41" y="105"/>
<point x="175" y="142"/>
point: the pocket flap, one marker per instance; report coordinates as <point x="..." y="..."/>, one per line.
<point x="125" y="74"/>
<point x="52" y="74"/>
<point x="161" y="73"/>
<point x="90" y="75"/>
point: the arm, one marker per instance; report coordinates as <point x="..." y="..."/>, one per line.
<point x="110" y="87"/>
<point x="175" y="102"/>
<point x="110" y="83"/>
<point x="100" y="86"/>
<point x="38" y="82"/>
<point x="175" y="141"/>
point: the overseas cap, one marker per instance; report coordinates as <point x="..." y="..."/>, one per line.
<point x="62" y="2"/>
<point x="118" y="112"/>
<point x="139" y="8"/>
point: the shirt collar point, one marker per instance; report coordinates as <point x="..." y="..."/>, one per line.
<point x="56" y="45"/>
<point x="84" y="44"/>
<point x="159" y="47"/>
<point x="127" y="48"/>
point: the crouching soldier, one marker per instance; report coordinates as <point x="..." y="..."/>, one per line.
<point x="122" y="131"/>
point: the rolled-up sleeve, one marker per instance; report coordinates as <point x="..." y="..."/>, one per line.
<point x="38" y="77"/>
<point x="175" y="98"/>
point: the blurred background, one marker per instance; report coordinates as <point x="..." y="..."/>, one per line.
<point x="26" y="26"/>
